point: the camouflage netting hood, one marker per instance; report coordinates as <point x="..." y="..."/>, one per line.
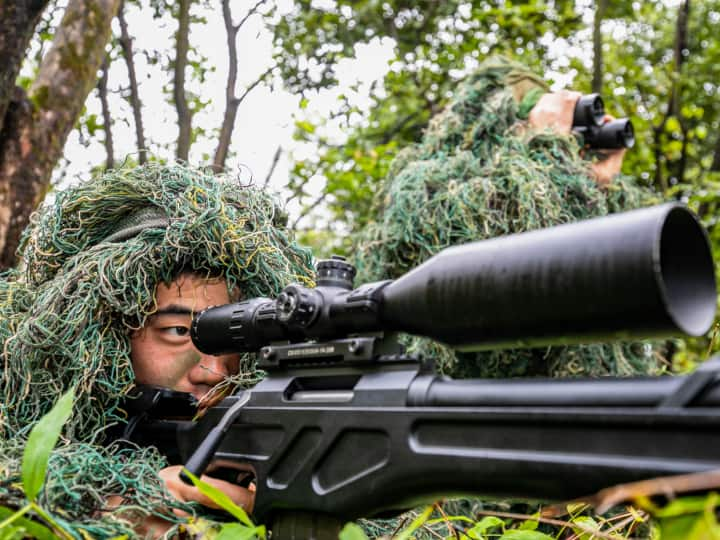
<point x="480" y="172"/>
<point x="89" y="266"/>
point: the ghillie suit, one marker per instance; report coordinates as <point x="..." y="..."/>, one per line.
<point x="90" y="263"/>
<point x="481" y="172"/>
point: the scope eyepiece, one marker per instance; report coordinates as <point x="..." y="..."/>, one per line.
<point x="245" y="326"/>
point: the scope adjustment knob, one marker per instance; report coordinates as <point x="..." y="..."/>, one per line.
<point x="335" y="272"/>
<point x="297" y="306"/>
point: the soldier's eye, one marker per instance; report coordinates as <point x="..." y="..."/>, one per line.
<point x="178" y="331"/>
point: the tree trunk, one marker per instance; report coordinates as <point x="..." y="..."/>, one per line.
<point x="107" y="118"/>
<point x="231" y="101"/>
<point x="715" y="167"/>
<point x="273" y="164"/>
<point x="18" y="18"/>
<point x="681" y="46"/>
<point x="673" y="106"/>
<point x="597" y="82"/>
<point x="181" y="105"/>
<point x="126" y="44"/>
<point x="37" y="125"/>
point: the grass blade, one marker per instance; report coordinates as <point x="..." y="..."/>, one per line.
<point x="221" y="499"/>
<point x="42" y="440"/>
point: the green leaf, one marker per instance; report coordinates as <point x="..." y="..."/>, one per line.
<point x="305" y="126"/>
<point x="529" y="525"/>
<point x="42" y="440"/>
<point x="689" y="527"/>
<point x="13" y="532"/>
<point x="485" y="524"/>
<point x="672" y="125"/>
<point x="683" y="506"/>
<point x="582" y="524"/>
<point x="416" y="524"/>
<point x="236" y="531"/>
<point x="220" y="498"/>
<point x="27" y="527"/>
<point x="352" y="531"/>
<point x="516" y="534"/>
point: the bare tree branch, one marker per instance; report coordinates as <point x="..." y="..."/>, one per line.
<point x="252" y="86"/>
<point x="275" y="159"/>
<point x="183" y="110"/>
<point x="597" y="46"/>
<point x="673" y="106"/>
<point x="305" y="211"/>
<point x="135" y="103"/>
<point x="107" y="120"/>
<point x="249" y="14"/>
<point x="231" y="101"/>
<point x="716" y="157"/>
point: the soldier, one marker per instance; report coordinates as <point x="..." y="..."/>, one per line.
<point x="110" y="275"/>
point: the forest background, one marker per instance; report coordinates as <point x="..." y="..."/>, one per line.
<point x="313" y="98"/>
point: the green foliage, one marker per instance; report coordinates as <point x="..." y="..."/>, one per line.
<point x="485" y="525"/>
<point x="435" y="45"/>
<point x="416" y="523"/>
<point x="520" y="534"/>
<point x="352" y="531"/>
<point x="242" y="530"/>
<point x="12" y="528"/>
<point x="41" y="441"/>
<point x="686" y="518"/>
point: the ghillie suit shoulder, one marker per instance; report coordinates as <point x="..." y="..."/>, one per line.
<point x="480" y="172"/>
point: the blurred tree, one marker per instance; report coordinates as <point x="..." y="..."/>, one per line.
<point x="435" y="44"/>
<point x="126" y="43"/>
<point x="653" y="61"/>
<point x="232" y="101"/>
<point x="661" y="69"/>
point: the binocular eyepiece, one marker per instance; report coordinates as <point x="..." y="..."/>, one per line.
<point x="588" y="122"/>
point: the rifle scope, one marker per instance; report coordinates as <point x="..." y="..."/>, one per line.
<point x="588" y="121"/>
<point x="637" y="274"/>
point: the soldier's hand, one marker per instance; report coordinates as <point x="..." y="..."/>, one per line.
<point x="244" y="497"/>
<point x="555" y="111"/>
<point x="156" y="527"/>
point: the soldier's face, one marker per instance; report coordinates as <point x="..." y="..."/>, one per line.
<point x="163" y="353"/>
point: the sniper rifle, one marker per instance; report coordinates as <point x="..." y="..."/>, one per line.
<point x="346" y="425"/>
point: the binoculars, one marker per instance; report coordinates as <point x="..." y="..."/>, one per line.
<point x="588" y="122"/>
